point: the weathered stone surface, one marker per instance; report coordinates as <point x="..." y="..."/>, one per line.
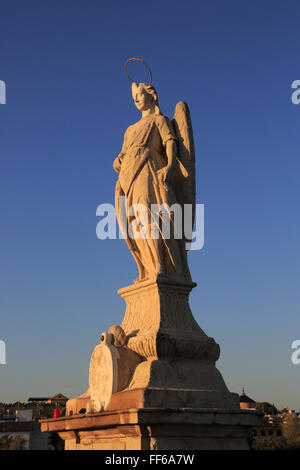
<point x="159" y="323"/>
<point x="110" y="371"/>
<point x="164" y="358"/>
<point x="156" y="429"/>
<point x="172" y="399"/>
<point x="178" y="358"/>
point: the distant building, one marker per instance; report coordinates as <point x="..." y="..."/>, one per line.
<point x="58" y="401"/>
<point x="38" y="399"/>
<point x="271" y="428"/>
<point x="268" y="431"/>
<point x="43" y="407"/>
<point x="22" y="426"/>
<point x="246" y="403"/>
<point x="24" y="415"/>
<point x="20" y="420"/>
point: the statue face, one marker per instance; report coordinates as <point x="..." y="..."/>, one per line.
<point x="142" y="99"/>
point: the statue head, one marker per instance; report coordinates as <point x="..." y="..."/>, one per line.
<point x="145" y="97"/>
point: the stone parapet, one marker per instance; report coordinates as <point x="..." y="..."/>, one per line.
<point x="156" y="429"/>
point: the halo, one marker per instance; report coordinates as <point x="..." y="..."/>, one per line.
<point x="143" y="62"/>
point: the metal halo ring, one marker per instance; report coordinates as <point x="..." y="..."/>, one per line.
<point x="143" y="62"/>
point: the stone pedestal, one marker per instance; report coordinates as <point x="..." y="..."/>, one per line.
<point x="178" y="367"/>
<point x="155" y="382"/>
<point x="156" y="429"/>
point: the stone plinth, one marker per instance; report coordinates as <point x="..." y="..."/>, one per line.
<point x="178" y="359"/>
<point x="159" y="323"/>
<point x="156" y="429"/>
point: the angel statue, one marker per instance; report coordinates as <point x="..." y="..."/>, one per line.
<point x="156" y="169"/>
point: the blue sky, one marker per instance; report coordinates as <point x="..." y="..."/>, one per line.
<point x="68" y="105"/>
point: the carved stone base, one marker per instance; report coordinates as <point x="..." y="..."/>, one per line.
<point x="178" y="358"/>
<point x="159" y="358"/>
<point x="175" y="384"/>
<point x="156" y="429"/>
<point x="155" y="382"/>
<point x="159" y="323"/>
<point x="172" y="399"/>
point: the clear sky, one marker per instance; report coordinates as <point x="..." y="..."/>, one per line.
<point x="68" y="105"/>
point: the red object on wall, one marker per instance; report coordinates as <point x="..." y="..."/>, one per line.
<point x="56" y="413"/>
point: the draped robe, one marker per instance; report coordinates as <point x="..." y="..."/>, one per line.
<point x="141" y="161"/>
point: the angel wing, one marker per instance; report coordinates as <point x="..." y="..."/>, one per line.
<point x="185" y="185"/>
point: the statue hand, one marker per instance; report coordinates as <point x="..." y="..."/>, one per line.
<point x="169" y="175"/>
<point x="166" y="175"/>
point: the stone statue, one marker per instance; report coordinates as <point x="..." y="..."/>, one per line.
<point x="156" y="169"/>
<point x="153" y="383"/>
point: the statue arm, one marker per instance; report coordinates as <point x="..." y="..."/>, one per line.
<point x="171" y="152"/>
<point x="169" y="141"/>
<point x="118" y="161"/>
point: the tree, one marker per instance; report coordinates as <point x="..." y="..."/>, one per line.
<point x="291" y="430"/>
<point x="268" y="444"/>
<point x="267" y="408"/>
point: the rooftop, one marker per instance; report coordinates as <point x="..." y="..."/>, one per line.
<point x="245" y="399"/>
